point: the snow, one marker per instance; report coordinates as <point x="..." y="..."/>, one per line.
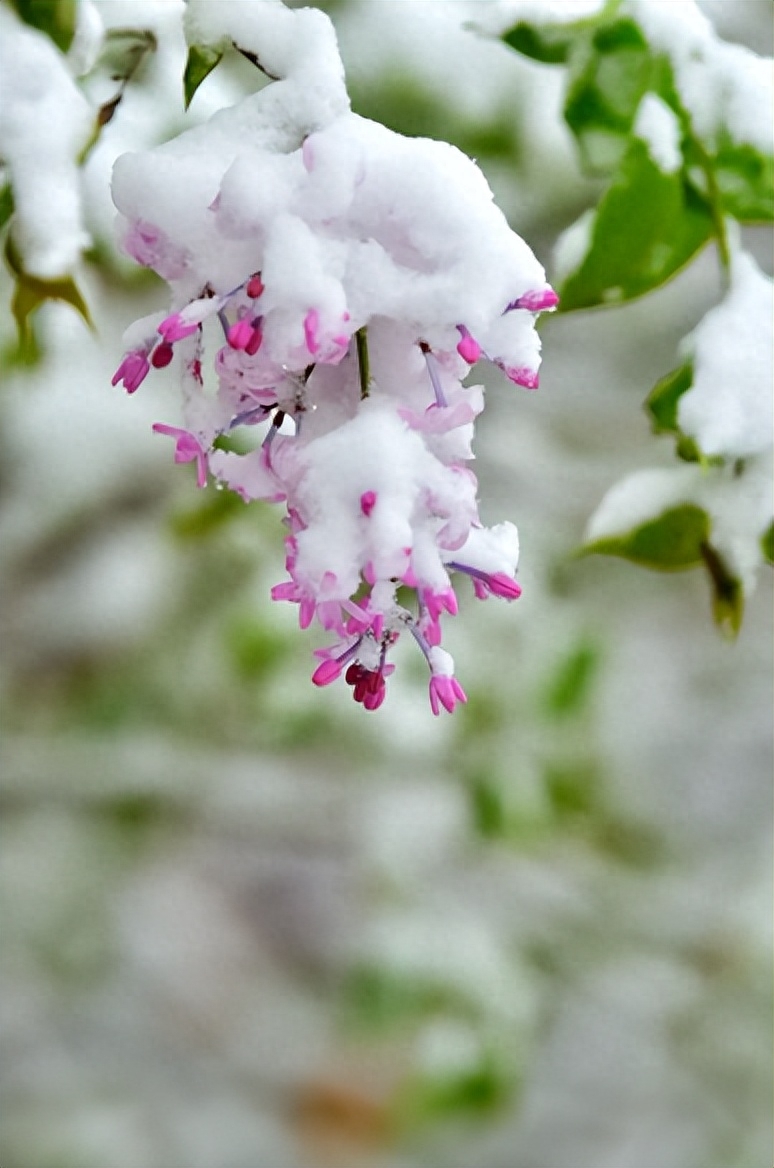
<point x="46" y="121"/>
<point x="724" y="87"/>
<point x="88" y="39"/>
<point x="291" y="45"/>
<point x="657" y="126"/>
<point x="572" y="246"/>
<point x="497" y="18"/>
<point x="639" y="498"/>
<point x="729" y="409"/>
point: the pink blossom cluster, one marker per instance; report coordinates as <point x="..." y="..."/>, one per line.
<point x="381" y="506"/>
<point x="333" y="286"/>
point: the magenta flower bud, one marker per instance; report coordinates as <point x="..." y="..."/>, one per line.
<point x="537" y="300"/>
<point x="489" y="583"/>
<point x="367" y="502"/>
<point x="502" y="585"/>
<point x="327" y="671"/>
<point x="468" y="348"/>
<point x="255" y="286"/>
<point x="285" y="591"/>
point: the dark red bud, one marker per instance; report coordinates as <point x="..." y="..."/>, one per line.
<point x="161" y="356"/>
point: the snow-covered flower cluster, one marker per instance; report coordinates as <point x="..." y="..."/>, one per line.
<point x="333" y="283"/>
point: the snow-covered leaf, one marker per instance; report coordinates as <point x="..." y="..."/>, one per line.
<point x="745" y="180"/>
<point x="29" y="293"/>
<point x="662" y="403"/>
<point x="728" y="408"/>
<point x="663" y="399"/>
<point x="678" y="539"/>
<point x="669" y="543"/>
<point x="122" y="54"/>
<point x="609" y="74"/>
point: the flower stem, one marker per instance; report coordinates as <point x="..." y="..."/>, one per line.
<point x="361" y="340"/>
<point x="716" y="212"/>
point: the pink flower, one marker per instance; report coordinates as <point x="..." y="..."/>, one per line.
<point x="521" y="375"/>
<point x="187" y="449"/>
<point x="132" y="371"/>
<point x="369" y="687"/>
<point x="151" y="247"/>
<point x="436" y="603"/>
<point x="489" y="583"/>
<point x="239" y="334"/>
<point x="445" y="691"/>
<point x="439" y="419"/>
<point x="176" y="328"/>
<point x="311" y="329"/>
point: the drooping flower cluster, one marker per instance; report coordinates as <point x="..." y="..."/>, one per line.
<point x="333" y="283"/>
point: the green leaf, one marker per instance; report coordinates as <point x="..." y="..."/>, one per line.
<point x="216" y="509"/>
<point x="745" y="181"/>
<point x="647" y="226"/>
<point x="574" y="789"/>
<point x="489" y="807"/>
<point x="56" y="18"/>
<point x="670" y="543"/>
<point x="662" y="402"/>
<point x="727" y="592"/>
<point x="548" y="43"/>
<point x="609" y="74"/>
<point x="662" y="405"/>
<point x="201" y="61"/>
<point x="570" y="687"/>
<point x="32" y="291"/>
<point x="255" y="648"/>
<point x="380" y="999"/>
<point x="767" y="545"/>
<point x="676" y="540"/>
<point x="6" y="204"/>
<point x="476" y="1091"/>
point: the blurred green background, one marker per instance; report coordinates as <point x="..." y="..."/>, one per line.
<point x="249" y="925"/>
